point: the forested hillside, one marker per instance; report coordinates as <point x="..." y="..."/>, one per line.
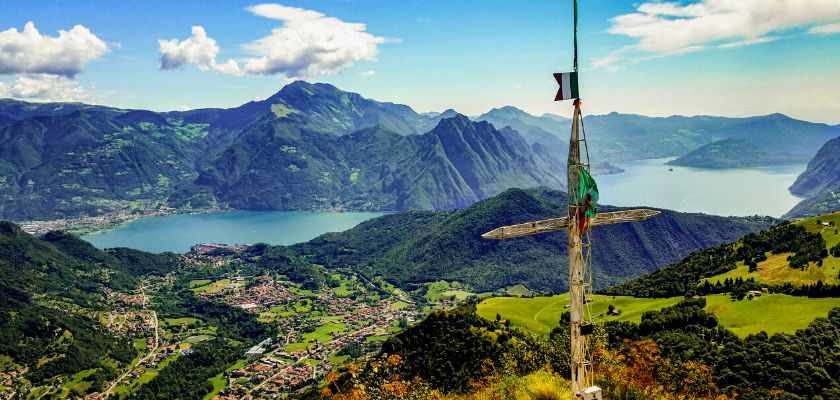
<point x="799" y="257"/>
<point x="415" y="247"/>
<point x="51" y="288"/>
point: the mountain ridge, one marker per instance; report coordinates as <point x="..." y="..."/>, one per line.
<point x="286" y="153"/>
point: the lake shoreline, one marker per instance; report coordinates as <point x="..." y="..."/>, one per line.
<point x="179" y="232"/>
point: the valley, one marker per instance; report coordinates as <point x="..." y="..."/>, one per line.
<point x="278" y="320"/>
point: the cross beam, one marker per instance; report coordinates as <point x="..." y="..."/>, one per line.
<point x="559" y="224"/>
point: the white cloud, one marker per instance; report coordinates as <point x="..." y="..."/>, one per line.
<point x="670" y="28"/>
<point x="308" y="44"/>
<point x="199" y="50"/>
<point x="369" y="72"/>
<point x="44" y="87"/>
<point x="184" y="107"/>
<point x="29" y="52"/>
<point x="825" y="29"/>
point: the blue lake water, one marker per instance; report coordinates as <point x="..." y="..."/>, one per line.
<point x="728" y="192"/>
<point x="179" y="232"/>
<point x="743" y="191"/>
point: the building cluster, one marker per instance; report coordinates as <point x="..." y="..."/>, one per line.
<point x="218" y="248"/>
<point x="129" y="322"/>
<point x="276" y="370"/>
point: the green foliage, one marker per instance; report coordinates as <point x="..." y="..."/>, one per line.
<point x="451" y="349"/>
<point x="796" y="365"/>
<point x="682" y="278"/>
<point x="187" y="377"/>
<point x="51" y="342"/>
<point x="55" y="334"/>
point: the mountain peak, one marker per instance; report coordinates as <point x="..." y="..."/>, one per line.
<point x="506" y="112"/>
<point x="457" y="119"/>
<point x="304" y="88"/>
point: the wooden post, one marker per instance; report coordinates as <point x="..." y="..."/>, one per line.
<point x="579" y="362"/>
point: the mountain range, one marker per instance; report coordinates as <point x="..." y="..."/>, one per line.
<point x="316" y="147"/>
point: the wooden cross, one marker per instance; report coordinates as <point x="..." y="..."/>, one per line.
<point x="580" y="267"/>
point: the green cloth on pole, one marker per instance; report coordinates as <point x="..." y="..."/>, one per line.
<point x="589" y="189"/>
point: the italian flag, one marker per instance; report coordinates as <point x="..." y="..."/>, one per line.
<point x="568" y="82"/>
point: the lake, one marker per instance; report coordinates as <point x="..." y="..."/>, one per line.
<point x="179" y="232"/>
<point x="743" y="191"/>
<point x="738" y="191"/>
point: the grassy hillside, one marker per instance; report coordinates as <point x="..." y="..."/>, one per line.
<point x="771" y="313"/>
<point x="775" y="270"/>
<point x="541" y="314"/>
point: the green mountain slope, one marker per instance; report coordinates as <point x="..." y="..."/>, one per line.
<point x="824" y="202"/>
<point x="414" y="247"/>
<point x="457" y="163"/>
<point x="85" y="162"/>
<point x="50" y="288"/>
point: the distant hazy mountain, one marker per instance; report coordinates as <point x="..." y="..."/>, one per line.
<point x="822" y="173"/>
<point x="551" y="132"/>
<point x="314" y="146"/>
<point x="733" y="153"/>
<point x="615" y="137"/>
<point x="414" y="247"/>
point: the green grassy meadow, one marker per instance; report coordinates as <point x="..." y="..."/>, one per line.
<point x="541" y="314"/>
<point x="773" y="313"/>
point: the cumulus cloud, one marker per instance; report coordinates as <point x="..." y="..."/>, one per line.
<point x="669" y="28"/>
<point x="308" y="44"/>
<point x="199" y="50"/>
<point x="44" y="87"/>
<point x="369" y="72"/>
<point x="30" y="52"/>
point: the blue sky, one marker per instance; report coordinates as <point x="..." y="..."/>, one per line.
<point x="704" y="57"/>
